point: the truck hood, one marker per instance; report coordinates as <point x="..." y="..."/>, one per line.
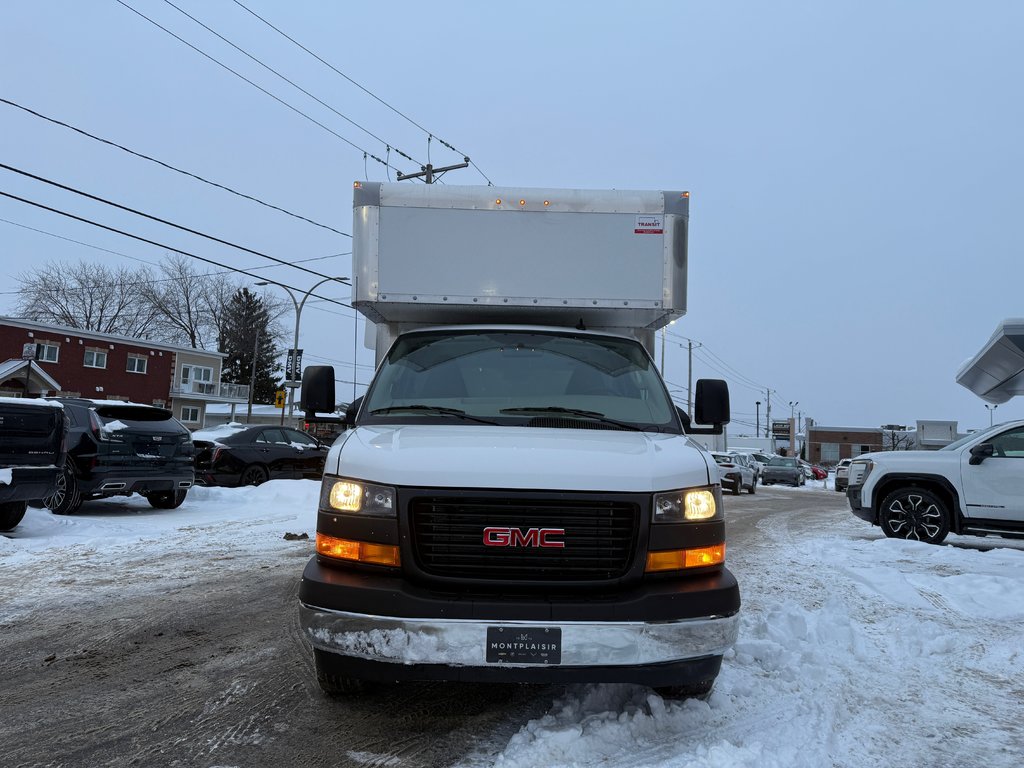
<point x="913" y="460"/>
<point x="465" y="456"/>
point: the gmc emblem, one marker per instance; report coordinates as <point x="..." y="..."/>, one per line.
<point x="532" y="537"/>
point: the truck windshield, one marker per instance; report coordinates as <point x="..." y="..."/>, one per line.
<point x="520" y="378"/>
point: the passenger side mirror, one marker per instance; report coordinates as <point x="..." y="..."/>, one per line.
<point x="981" y="452"/>
<point x="711" y="406"/>
<point x="318" y="389"/>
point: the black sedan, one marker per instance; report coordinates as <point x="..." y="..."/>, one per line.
<point x="238" y="455"/>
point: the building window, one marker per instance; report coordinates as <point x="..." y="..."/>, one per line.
<point x="47" y="352"/>
<point x="190" y="414"/>
<point x="95" y="358"/>
<point x="198" y="380"/>
<point x="137" y="364"/>
<point x="830" y="453"/>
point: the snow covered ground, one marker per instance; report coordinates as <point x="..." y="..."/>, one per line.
<point x="854" y="650"/>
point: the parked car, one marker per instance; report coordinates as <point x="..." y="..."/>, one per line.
<point x="813" y="471"/>
<point x="236" y="454"/>
<point x="972" y="487"/>
<point x="760" y="460"/>
<point x="32" y="444"/>
<point x="842" y="474"/>
<point x="735" y="471"/>
<point x="784" y="469"/>
<point x="117" y="449"/>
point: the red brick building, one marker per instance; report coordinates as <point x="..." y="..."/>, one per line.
<point x="70" y="361"/>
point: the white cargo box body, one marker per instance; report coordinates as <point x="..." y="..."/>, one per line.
<point x="440" y="254"/>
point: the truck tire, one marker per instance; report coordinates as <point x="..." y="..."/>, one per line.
<point x="11" y="514"/>
<point x="700" y="690"/>
<point x="66" y="498"/>
<point x="166" y="499"/>
<point x="332" y="684"/>
<point x="914" y="513"/>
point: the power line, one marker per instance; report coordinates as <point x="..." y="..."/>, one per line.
<point x="160" y="220"/>
<point x="292" y="83"/>
<point x="161" y="245"/>
<point x="150" y="263"/>
<point x="254" y="85"/>
<point x="371" y="94"/>
<point x="171" y="167"/>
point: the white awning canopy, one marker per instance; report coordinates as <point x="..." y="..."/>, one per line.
<point x="996" y="373"/>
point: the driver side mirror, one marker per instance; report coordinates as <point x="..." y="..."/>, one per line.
<point x="711" y="406"/>
<point x="981" y="452"/>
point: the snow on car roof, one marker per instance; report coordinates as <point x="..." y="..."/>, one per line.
<point x="30" y="401"/>
<point x="221" y="430"/>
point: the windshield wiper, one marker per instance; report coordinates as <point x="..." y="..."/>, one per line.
<point x="438" y="409"/>
<point x="595" y="415"/>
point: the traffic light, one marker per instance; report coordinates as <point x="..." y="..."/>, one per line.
<point x="279" y="398"/>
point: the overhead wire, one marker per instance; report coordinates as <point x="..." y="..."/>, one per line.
<point x="160" y="220"/>
<point x="292" y="83"/>
<point x="250" y="82"/>
<point x="365" y="90"/>
<point x="161" y="245"/>
<point x="170" y="167"/>
<point x="134" y="258"/>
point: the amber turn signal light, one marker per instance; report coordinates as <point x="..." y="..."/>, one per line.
<point x="678" y="559"/>
<point x="358" y="551"/>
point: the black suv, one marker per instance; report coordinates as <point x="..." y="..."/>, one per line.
<point x="117" y="449"/>
<point x="31" y="450"/>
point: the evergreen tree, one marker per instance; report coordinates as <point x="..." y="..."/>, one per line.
<point x="246" y="329"/>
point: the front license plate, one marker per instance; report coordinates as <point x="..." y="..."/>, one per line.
<point x="524" y="645"/>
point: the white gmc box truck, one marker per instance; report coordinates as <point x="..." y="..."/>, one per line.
<point x="516" y="497"/>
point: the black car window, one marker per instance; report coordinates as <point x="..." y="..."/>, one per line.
<point x="272" y="436"/>
<point x="301" y="438"/>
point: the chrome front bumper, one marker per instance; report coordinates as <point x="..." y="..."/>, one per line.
<point x="462" y="642"/>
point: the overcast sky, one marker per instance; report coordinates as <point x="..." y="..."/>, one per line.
<point x="854" y="166"/>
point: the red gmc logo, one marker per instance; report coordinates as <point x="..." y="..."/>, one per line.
<point x="532" y="537"/>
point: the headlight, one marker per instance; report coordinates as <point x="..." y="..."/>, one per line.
<point x="355" y="496"/>
<point x="859" y="471"/>
<point x="687" y="505"/>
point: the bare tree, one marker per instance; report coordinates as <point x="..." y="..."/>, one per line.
<point x="188" y="303"/>
<point x="896" y="437"/>
<point x="89" y="296"/>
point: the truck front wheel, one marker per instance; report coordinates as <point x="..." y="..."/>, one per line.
<point x="331" y="683"/>
<point x="914" y="513"/>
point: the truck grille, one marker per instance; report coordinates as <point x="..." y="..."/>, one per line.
<point x="448" y="538"/>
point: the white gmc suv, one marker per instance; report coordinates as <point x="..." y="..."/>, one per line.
<point x="974" y="486"/>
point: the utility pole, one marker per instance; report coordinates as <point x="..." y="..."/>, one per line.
<point x="430" y="174"/>
<point x="768" y="413"/>
<point x="663" y="352"/>
<point x="689" y="376"/>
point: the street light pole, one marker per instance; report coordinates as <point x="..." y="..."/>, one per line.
<point x="252" y="378"/>
<point x="991" y="410"/>
<point x="298" y="316"/>
<point x="757" y="426"/>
